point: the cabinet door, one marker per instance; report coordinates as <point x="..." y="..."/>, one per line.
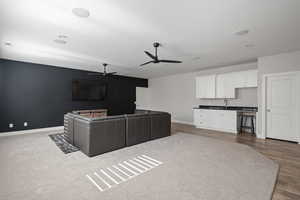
<point x="245" y="79"/>
<point x="239" y="79"/>
<point x="225" y="86"/>
<point x="211" y="120"/>
<point x="251" y="78"/>
<point x="200" y="117"/>
<point x="199" y="87"/>
<point x="228" y="120"/>
<point x="197" y="117"/>
<point x="206" y="86"/>
<point x="220" y="88"/>
<point x="230" y="87"/>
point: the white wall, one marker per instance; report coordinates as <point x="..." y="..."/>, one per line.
<point x="275" y="64"/>
<point x="177" y="93"/>
<point x="279" y="63"/>
<point x="143" y="98"/>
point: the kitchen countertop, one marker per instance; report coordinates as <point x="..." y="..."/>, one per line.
<point x="234" y="108"/>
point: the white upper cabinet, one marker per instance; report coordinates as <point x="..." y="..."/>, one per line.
<point x="239" y="79"/>
<point x="223" y="85"/>
<point x="245" y="79"/>
<point x="252" y="78"/>
<point x="206" y="87"/>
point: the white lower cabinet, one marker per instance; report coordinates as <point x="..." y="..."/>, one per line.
<point x="220" y="120"/>
<point x="203" y="118"/>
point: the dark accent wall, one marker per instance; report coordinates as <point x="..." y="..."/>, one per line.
<point x="41" y="94"/>
<point x="1" y="89"/>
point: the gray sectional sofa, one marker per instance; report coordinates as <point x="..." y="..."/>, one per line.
<point x="95" y="136"/>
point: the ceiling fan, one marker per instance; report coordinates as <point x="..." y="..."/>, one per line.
<point x="104" y="73"/>
<point x="155" y="58"/>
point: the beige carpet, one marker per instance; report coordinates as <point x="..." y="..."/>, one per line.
<point x="194" y="168"/>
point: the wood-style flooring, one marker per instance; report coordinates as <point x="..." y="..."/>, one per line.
<point x="286" y="154"/>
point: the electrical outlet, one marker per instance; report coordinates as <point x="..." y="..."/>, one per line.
<point x="11" y="125"/>
<point x="25" y="124"/>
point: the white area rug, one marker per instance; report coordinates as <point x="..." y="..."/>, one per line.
<point x="194" y="168"/>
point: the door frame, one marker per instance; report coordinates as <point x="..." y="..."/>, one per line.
<point x="264" y="100"/>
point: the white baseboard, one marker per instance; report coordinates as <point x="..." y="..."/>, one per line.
<point x="182" y="122"/>
<point x="50" y="129"/>
<point x="260" y="136"/>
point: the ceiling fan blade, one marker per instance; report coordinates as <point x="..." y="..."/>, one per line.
<point x="170" y="61"/>
<point x="111" y="73"/>
<point x="146" y="63"/>
<point x="150" y="55"/>
<point x="96" y="74"/>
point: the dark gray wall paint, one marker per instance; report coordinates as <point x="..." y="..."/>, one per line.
<point x="40" y="94"/>
<point x="1" y="87"/>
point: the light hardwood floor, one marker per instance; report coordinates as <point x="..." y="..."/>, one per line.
<point x="286" y="154"/>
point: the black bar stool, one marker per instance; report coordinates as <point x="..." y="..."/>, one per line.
<point x="245" y="116"/>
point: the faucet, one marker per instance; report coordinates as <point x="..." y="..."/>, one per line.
<point x="226" y="102"/>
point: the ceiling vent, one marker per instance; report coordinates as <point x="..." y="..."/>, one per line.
<point x="242" y="32"/>
<point x="60" y="41"/>
<point x="81" y="12"/>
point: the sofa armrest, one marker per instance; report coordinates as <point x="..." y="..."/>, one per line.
<point x="160" y="125"/>
<point x="100" y="136"/>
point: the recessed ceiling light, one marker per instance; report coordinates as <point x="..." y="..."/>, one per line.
<point x="249" y="45"/>
<point x="242" y="32"/>
<point x="81" y="12"/>
<point x="62" y="36"/>
<point x="196" y="58"/>
<point x="60" y="41"/>
<point x="7" y="43"/>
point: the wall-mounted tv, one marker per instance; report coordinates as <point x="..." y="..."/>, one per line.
<point x="88" y="90"/>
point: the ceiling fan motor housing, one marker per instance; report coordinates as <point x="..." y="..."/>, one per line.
<point x="156" y="44"/>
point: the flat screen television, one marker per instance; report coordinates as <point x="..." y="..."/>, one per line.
<point x="88" y="90"/>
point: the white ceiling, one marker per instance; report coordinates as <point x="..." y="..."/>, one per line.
<point x="199" y="32"/>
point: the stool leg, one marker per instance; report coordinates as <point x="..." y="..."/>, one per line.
<point x="252" y="124"/>
<point x="241" y="127"/>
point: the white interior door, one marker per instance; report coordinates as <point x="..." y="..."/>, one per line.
<point x="142" y="98"/>
<point x="281" y="107"/>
